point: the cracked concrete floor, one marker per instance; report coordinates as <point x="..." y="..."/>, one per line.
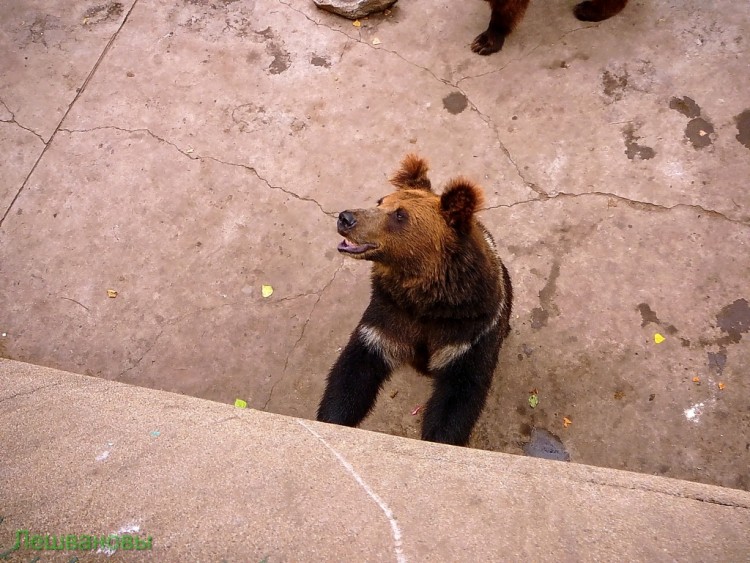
<point x="185" y="154"/>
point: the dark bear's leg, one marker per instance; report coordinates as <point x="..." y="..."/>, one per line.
<point x="353" y="383"/>
<point x="460" y="392"/>
<point x="505" y="15"/>
<point x="598" y="10"/>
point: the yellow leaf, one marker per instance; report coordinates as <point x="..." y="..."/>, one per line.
<point x="567" y="422"/>
<point x="357" y="23"/>
<point x="111" y="293"/>
<point x="658" y="338"/>
<point x="266" y="290"/>
<point x="721" y="386"/>
<point x="240" y="404"/>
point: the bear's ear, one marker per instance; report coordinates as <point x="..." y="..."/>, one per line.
<point x="460" y="200"/>
<point x="412" y="175"/>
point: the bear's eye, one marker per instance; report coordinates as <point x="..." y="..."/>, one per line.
<point x="400" y="215"/>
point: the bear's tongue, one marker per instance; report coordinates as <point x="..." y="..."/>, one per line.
<point x="351" y="248"/>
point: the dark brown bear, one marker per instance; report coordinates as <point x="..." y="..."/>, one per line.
<point x="441" y="301"/>
<point x="507" y="13"/>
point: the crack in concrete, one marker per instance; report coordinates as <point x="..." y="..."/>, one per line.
<point x="173" y="322"/>
<point x="25" y="393"/>
<point x="189" y="153"/>
<point x="15" y="121"/>
<point x="139" y="360"/>
<point x="633" y="203"/>
<point x="576" y="479"/>
<point x="79" y="93"/>
<point x="696" y="497"/>
<point x="484" y="117"/>
<point x="222" y="420"/>
<point x="487" y="120"/>
<point x="170" y="323"/>
<point x="526" y="54"/>
<point x="76" y="302"/>
<point x="302" y="333"/>
<point x="543" y="194"/>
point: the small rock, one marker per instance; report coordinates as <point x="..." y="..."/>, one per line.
<point x="546" y="445"/>
<point x="354" y="9"/>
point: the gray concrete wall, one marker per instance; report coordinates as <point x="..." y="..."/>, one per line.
<point x="211" y="482"/>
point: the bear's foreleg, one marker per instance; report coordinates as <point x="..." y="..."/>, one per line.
<point x="504" y="17"/>
<point x="460" y="391"/>
<point x="354" y="382"/>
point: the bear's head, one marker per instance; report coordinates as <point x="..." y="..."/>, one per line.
<point x="413" y="227"/>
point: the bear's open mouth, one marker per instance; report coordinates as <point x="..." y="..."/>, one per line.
<point x="352" y="248"/>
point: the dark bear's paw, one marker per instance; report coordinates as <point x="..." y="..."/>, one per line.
<point x="597" y="10"/>
<point x="487" y="43"/>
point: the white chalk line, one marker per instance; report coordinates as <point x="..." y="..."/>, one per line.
<point x="395" y="530"/>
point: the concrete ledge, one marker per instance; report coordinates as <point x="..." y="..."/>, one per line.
<point x="208" y="481"/>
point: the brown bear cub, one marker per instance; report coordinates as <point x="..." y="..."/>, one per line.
<point x="507" y="13"/>
<point x="441" y="300"/>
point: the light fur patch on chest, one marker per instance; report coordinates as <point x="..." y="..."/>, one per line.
<point x="391" y="351"/>
<point x="447" y="354"/>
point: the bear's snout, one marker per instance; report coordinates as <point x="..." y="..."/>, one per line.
<point x="346" y="221"/>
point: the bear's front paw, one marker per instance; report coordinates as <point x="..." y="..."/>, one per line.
<point x="487" y="43"/>
<point x="589" y="12"/>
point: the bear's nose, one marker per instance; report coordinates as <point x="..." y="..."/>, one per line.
<point x="346" y="220"/>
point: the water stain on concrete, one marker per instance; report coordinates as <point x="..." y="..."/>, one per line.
<point x="743" y="128"/>
<point x="102" y="13"/>
<point x="647" y="315"/>
<point x="280" y="61"/>
<point x="546" y="445"/>
<point x="698" y="132"/>
<point x="633" y="150"/>
<point x="686" y="106"/>
<point x="281" y="57"/>
<point x="734" y="319"/>
<point x="39" y="28"/>
<point x="614" y="85"/>
<point x="455" y="102"/>
<point x="210" y="3"/>
<point x="540" y="315"/>
<point x="717" y="361"/>
<point x="317" y="60"/>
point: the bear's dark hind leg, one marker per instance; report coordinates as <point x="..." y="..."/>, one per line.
<point x="460" y="392"/>
<point x="598" y="10"/>
<point x="353" y="383"/>
<point x="505" y="15"/>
